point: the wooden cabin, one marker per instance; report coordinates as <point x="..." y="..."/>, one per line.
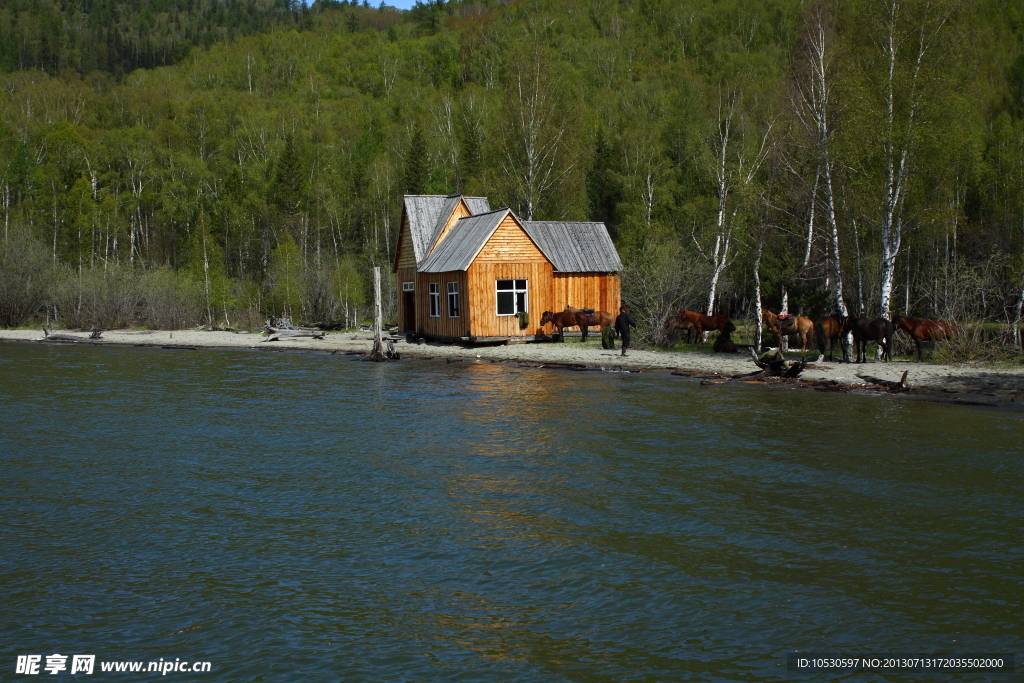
<point x="468" y="273"/>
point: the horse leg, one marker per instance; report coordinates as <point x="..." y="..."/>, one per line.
<point x="583" y="333"/>
<point x="918" y="342"/>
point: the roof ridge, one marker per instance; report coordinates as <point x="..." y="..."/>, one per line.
<point x="485" y="213"/>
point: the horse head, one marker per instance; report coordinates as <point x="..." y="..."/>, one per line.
<point x="545" y="318"/>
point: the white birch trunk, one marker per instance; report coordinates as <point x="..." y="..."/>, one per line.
<point x="810" y="220"/>
<point x="757" y="298"/>
<point x="720" y="255"/>
<point x="1020" y="305"/>
<point x="206" y="280"/>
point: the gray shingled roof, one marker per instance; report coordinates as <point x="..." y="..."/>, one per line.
<point x="478" y="204"/>
<point x="427" y="214"/>
<point x="575" y="247"/>
<point x="463" y="242"/>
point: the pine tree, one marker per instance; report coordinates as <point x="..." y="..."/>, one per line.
<point x="416" y="172"/>
<point x="604" y="191"/>
<point x="288" y="190"/>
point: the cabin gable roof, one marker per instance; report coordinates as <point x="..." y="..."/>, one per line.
<point x="575" y="247"/>
<point x="463" y="242"/>
<point x="428" y="214"/>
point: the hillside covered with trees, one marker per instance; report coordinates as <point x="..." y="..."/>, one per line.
<point x="188" y="161"/>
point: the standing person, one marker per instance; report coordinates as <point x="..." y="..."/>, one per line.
<point x="622" y="324"/>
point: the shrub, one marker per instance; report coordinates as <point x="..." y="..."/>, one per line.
<point x="26" y="268"/>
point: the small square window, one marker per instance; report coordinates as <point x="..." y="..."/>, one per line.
<point x="511" y="296"/>
<point x="408" y="286"/>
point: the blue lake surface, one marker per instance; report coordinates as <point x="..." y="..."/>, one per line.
<point x="298" y="516"/>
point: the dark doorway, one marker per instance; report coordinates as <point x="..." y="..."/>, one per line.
<point x="409" y="306"/>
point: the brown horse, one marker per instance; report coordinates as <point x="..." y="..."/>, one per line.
<point x="565" y="319"/>
<point x="878" y="330"/>
<point x="830" y="329"/>
<point x="704" y="323"/>
<point x="793" y="324"/>
<point x="681" y="323"/>
<point x="600" y="319"/>
<point x="924" y="329"/>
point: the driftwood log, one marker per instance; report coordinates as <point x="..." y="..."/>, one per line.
<point x="277" y="335"/>
<point x="94" y="334"/>
<point x="774" y="364"/>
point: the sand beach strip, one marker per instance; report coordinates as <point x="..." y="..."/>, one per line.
<point x="1003" y="383"/>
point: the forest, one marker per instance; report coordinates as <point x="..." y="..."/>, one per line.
<point x="173" y="163"/>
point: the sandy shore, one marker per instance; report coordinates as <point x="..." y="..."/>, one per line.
<point x="1004" y="382"/>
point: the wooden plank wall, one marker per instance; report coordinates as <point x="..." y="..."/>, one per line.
<point x="484" y="318"/>
<point x="600" y="291"/>
<point x="406" y="253"/>
<point x="510" y="244"/>
<point x="443" y="326"/>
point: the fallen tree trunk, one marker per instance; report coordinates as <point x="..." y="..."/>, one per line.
<point x="774" y="364"/>
<point x="94" y="334"/>
<point x="276" y="335"/>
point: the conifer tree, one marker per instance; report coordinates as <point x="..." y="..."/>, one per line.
<point x="288" y="191"/>
<point x="603" y="188"/>
<point x="416" y="172"/>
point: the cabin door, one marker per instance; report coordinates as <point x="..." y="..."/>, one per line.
<point x="409" y="306"/>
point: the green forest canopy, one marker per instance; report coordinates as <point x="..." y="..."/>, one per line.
<point x="160" y="135"/>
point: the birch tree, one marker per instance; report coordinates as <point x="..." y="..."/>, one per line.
<point x="907" y="36"/>
<point x="732" y="156"/>
<point x="535" y="154"/>
<point x="814" y="111"/>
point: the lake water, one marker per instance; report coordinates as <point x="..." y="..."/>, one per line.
<point x="299" y="516"/>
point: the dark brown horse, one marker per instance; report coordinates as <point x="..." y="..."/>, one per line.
<point x="878" y="330"/>
<point x="704" y="323"/>
<point x="725" y="344"/>
<point x="565" y="319"/>
<point x="600" y="319"/>
<point x="924" y="329"/>
<point x="830" y="329"/>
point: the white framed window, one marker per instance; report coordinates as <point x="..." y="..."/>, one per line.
<point x="511" y="296"/>
<point x="453" y="299"/>
<point x="408" y="286"/>
<point x="435" y="300"/>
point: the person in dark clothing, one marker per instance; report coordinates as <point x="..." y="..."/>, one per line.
<point x="622" y="324"/>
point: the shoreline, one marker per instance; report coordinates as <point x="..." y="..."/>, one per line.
<point x="1004" y="384"/>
